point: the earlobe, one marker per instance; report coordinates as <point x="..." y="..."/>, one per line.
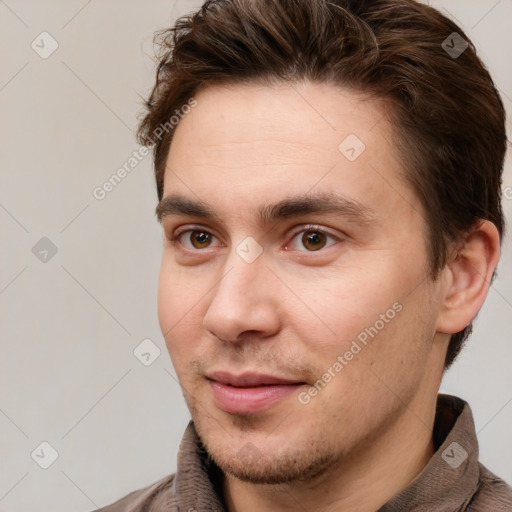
<point x="467" y="277"/>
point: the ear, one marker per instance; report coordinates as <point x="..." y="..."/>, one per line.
<point x="467" y="277"/>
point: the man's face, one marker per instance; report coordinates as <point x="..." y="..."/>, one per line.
<point x="294" y="298"/>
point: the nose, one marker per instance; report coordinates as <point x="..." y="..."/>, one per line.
<point x="244" y="302"/>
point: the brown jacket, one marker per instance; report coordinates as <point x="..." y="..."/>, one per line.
<point x="453" y="480"/>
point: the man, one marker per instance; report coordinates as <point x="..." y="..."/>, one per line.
<point x="329" y="182"/>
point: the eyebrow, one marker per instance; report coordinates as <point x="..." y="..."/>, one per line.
<point x="289" y="207"/>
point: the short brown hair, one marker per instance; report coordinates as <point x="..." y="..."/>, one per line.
<point x="448" y="118"/>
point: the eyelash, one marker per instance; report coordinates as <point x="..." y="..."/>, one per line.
<point x="176" y="236"/>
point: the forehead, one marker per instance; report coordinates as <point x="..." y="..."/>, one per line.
<point x="244" y="144"/>
<point x="307" y="116"/>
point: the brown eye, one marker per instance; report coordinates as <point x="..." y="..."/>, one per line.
<point x="194" y="240"/>
<point x="200" y="239"/>
<point x="314" y="240"/>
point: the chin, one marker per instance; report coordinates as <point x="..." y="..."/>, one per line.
<point x="272" y="469"/>
<point x="261" y="461"/>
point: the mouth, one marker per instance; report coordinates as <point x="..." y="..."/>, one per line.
<point x="249" y="393"/>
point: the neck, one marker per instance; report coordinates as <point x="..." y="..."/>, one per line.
<point x="362" y="482"/>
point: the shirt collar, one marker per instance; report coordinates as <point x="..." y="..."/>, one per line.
<point x="451" y="477"/>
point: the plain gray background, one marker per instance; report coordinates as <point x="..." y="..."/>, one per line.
<point x="70" y="323"/>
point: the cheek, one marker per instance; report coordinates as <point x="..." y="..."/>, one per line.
<point x="179" y="305"/>
<point x="179" y="289"/>
<point x="375" y="315"/>
<point x="341" y="306"/>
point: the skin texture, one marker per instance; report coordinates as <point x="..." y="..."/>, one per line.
<point x="292" y="311"/>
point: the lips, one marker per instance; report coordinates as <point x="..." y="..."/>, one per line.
<point x="249" y="393"/>
<point x="248" y="380"/>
